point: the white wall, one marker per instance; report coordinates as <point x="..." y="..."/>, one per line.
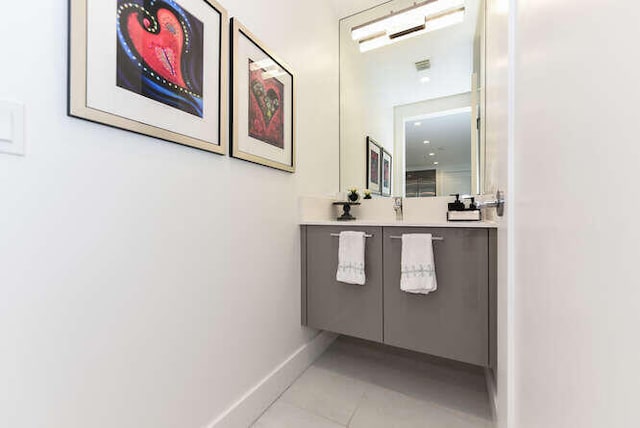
<point x="345" y="8"/>
<point x="577" y="234"/>
<point x="145" y="284"/>
<point x="498" y="118"/>
<point x="451" y="181"/>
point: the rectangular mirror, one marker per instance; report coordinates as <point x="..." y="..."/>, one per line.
<point x="411" y="77"/>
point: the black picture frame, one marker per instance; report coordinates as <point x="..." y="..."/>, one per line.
<point x="242" y="139"/>
<point x="374" y="166"/>
<point x="386" y="158"/>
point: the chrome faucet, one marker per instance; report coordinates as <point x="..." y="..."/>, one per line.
<point x="397" y="207"/>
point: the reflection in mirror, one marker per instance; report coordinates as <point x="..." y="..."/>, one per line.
<point x="438" y="155"/>
<point x="411" y="79"/>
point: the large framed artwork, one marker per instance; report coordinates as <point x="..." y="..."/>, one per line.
<point x="154" y="67"/>
<point x="387" y="165"/>
<point x="263" y="109"/>
<point x="374" y="162"/>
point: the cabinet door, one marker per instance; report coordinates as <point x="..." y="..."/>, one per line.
<point x="453" y="321"/>
<point x="354" y="310"/>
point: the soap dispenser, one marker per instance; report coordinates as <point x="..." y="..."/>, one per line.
<point x="472" y="205"/>
<point x="457" y="205"/>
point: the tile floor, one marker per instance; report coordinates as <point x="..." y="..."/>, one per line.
<point x="357" y="384"/>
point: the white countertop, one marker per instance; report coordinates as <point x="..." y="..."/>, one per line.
<point x="373" y="223"/>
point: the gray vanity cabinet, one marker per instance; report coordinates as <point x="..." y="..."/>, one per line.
<point x="354" y="310"/>
<point x="457" y="321"/>
<point x="453" y="321"/>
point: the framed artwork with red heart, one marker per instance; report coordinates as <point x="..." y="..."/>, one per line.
<point x="154" y="67"/>
<point x="263" y="125"/>
<point x="265" y="106"/>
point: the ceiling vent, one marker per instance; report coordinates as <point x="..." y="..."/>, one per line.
<point x="425" y="64"/>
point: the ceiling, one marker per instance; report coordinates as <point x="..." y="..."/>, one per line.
<point x="449" y="139"/>
<point x="348" y="7"/>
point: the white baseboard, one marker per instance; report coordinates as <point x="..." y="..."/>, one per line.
<point x="493" y="393"/>
<point x="248" y="408"/>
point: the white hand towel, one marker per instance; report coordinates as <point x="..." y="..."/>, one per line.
<point x="351" y="258"/>
<point x="418" y="267"/>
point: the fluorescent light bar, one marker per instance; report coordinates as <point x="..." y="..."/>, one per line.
<point x="404" y="19"/>
<point x="374" y="43"/>
<point x="436" y="23"/>
<point x="408" y="31"/>
<point x="264" y="63"/>
<point x="452" y="18"/>
<point x="433" y="23"/>
<point x="268" y="66"/>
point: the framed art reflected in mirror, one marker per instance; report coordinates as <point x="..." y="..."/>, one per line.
<point x="374" y="161"/>
<point x="387" y="165"/>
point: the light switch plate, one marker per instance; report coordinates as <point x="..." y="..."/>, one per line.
<point x="12" y="128"/>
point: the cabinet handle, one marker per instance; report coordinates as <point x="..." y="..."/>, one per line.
<point x="337" y="235"/>
<point x="434" y="238"/>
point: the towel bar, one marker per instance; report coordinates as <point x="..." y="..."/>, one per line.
<point x="435" y="238"/>
<point x="337" y="235"/>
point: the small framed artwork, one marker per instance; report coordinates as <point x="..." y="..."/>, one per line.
<point x="263" y="110"/>
<point x="387" y="165"/>
<point x="157" y="68"/>
<point x="374" y="159"/>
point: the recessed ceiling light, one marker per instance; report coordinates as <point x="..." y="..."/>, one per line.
<point x="425" y="79"/>
<point x="432" y="154"/>
<point x="417" y="123"/>
<point x="436" y="163"/>
<point x="426" y="142"/>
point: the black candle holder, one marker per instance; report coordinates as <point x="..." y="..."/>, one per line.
<point x="346" y="210"/>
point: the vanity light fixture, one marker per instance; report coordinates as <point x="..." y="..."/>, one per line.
<point x="419" y="19"/>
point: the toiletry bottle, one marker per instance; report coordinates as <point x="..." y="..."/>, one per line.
<point x="457" y="205"/>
